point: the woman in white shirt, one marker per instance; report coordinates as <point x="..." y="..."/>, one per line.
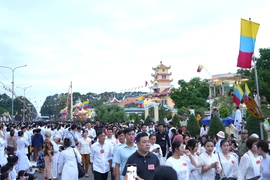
<point x="84" y="148"/>
<point x="263" y="150"/>
<point x="179" y="163"/>
<point x="192" y="146"/>
<point x="250" y="162"/>
<point x="155" y="148"/>
<point x="228" y="162"/>
<point x="211" y="165"/>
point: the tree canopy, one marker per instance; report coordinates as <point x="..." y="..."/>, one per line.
<point x="192" y="93"/>
<point x="110" y="113"/>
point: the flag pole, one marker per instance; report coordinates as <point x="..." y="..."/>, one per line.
<point x="257" y="96"/>
<point x="71" y="102"/>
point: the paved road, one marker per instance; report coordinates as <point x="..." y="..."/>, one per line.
<point x="91" y="176"/>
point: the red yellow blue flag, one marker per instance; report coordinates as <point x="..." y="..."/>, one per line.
<point x="200" y="67"/>
<point x="237" y="94"/>
<point x="248" y="36"/>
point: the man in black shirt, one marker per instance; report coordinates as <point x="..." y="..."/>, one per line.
<point x="145" y="161"/>
<point x="162" y="139"/>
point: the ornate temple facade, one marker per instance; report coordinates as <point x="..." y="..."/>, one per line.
<point x="161" y="86"/>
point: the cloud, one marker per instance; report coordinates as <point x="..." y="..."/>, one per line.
<point x="113" y="46"/>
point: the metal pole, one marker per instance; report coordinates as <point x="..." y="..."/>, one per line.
<point x="24" y="101"/>
<point x="12" y="101"/>
<point x="258" y="97"/>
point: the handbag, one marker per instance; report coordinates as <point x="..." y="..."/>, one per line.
<point x="81" y="171"/>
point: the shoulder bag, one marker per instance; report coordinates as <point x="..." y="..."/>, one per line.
<point x="81" y="171"/>
<point x="225" y="178"/>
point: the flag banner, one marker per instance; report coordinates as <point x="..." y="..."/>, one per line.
<point x="254" y="109"/>
<point x="237" y="94"/>
<point x="247" y="92"/>
<point x="200" y="67"/>
<point x="248" y="36"/>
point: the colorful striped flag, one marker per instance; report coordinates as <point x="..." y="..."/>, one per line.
<point x="237" y="94"/>
<point x="247" y="92"/>
<point x="200" y="67"/>
<point x="248" y="36"/>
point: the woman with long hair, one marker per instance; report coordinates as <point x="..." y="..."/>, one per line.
<point x="23" y="162"/>
<point x="263" y="150"/>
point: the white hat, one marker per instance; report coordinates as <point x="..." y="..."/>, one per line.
<point x="221" y="134"/>
<point x="254" y="136"/>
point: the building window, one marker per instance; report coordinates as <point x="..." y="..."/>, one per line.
<point x="156" y="77"/>
<point x="164" y="102"/>
<point x="163" y="76"/>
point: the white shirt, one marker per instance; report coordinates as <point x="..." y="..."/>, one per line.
<point x="246" y="167"/>
<point x="85" y="145"/>
<point x="100" y="156"/>
<point x="155" y="146"/>
<point x="111" y="141"/>
<point x="203" y="132"/>
<point x="229" y="166"/>
<point x="92" y="132"/>
<point x="181" y="166"/>
<point x="265" y="167"/>
<point x="218" y="148"/>
<point x="208" y="160"/>
<point x="238" y="119"/>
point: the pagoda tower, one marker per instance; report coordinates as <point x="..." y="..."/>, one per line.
<point x="162" y="82"/>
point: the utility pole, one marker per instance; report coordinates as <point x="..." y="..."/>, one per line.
<point x="24" y="110"/>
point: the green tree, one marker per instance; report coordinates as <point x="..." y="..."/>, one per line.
<point x="215" y="126"/>
<point x="137" y="119"/>
<point x="110" y="113"/>
<point x="224" y="101"/>
<point x="147" y="120"/>
<point x="253" y="126"/>
<point x="176" y="121"/>
<point x="224" y="111"/>
<point x="193" y="126"/>
<point x="192" y="93"/>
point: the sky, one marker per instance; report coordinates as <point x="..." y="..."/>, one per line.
<point x="113" y="45"/>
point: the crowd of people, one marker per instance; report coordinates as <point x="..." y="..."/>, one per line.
<point x="124" y="150"/>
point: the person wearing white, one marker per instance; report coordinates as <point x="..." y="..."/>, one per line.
<point x="84" y="148"/>
<point x="250" y="162"/>
<point x="23" y="162"/>
<point x="101" y="157"/>
<point x="91" y="132"/>
<point x="56" y="139"/>
<point x="2" y="151"/>
<point x="68" y="162"/>
<point x="203" y="130"/>
<point x="238" y="119"/>
<point x="155" y="148"/>
<point x="180" y="164"/>
<point x="109" y="138"/>
<point x="263" y="150"/>
<point x="228" y="162"/>
<point x="192" y="146"/>
<point x="210" y="160"/>
<point x="220" y="135"/>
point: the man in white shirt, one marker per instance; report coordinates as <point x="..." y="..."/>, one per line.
<point x="109" y="138"/>
<point x="238" y="119"/>
<point x="91" y="132"/>
<point x="220" y="135"/>
<point x="101" y="157"/>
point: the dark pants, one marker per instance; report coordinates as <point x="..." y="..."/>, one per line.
<point x="100" y="176"/>
<point x="163" y="149"/>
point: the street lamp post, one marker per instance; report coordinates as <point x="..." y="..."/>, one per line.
<point x="24" y="88"/>
<point x="13" y="70"/>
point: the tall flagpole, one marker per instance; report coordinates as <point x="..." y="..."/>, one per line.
<point x="257" y="96"/>
<point x="71" y="102"/>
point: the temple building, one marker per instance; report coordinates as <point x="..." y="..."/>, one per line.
<point x="161" y="86"/>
